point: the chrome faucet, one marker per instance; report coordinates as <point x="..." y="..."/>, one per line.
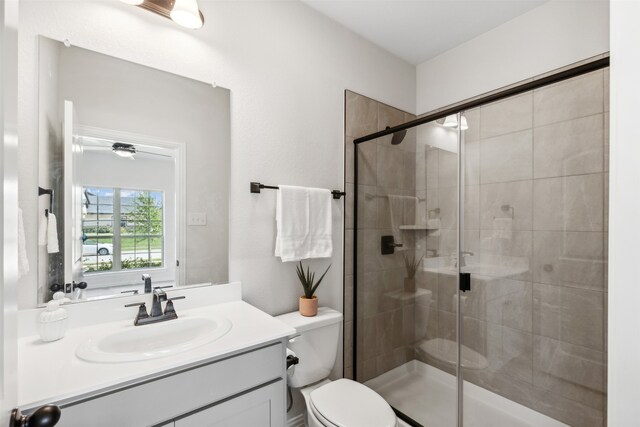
<point x="454" y="258"/>
<point x="157" y="315"/>
<point x="433" y="252"/>
<point x="159" y="296"/>
<point x="463" y="262"/>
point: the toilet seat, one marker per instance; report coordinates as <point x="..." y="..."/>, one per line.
<point x="346" y="403"/>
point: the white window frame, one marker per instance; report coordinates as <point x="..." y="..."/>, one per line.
<point x="117" y="237"/>
<point x="158" y="274"/>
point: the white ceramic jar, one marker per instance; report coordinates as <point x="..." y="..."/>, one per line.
<point x="53" y="320"/>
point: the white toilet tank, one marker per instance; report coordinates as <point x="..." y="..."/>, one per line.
<point x="316" y="346"/>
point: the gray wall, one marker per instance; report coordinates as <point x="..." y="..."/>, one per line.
<point x="383" y="323"/>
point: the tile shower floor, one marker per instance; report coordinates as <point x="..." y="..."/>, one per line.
<point x="428" y="395"/>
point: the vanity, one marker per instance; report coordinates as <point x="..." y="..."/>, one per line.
<point x="234" y="378"/>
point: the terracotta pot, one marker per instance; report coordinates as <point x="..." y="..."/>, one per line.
<point x="309" y="306"/>
<point x="409" y="284"/>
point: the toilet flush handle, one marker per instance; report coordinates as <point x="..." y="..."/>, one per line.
<point x="293" y="338"/>
<point x="292" y="360"/>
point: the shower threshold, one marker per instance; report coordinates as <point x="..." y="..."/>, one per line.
<point x="428" y="396"/>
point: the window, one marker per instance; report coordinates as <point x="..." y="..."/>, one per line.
<point x="123" y="229"/>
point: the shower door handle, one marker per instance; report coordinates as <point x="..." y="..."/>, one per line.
<point x="465" y="282"/>
<point x="388" y="245"/>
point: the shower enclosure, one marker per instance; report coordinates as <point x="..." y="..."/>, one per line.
<point x="476" y="254"/>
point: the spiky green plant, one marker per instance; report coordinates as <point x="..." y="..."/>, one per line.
<point x="412" y="265"/>
<point x="308" y="280"/>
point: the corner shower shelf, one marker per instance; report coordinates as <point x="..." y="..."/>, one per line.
<point x="418" y="227"/>
<point x="407" y="297"/>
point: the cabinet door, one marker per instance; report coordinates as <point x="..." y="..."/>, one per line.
<point x="263" y="407"/>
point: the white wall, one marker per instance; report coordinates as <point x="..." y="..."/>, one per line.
<point x="9" y="210"/>
<point x="551" y="36"/>
<point x="624" y="208"/>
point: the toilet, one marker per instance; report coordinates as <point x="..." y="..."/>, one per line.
<point x="340" y="403"/>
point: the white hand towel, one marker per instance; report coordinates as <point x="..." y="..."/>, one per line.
<point x="42" y="230"/>
<point x="23" y="260"/>
<point x="403" y="210"/>
<point x="303" y="220"/>
<point x="503" y="228"/>
<point x="396" y="215"/>
<point x="52" y="235"/>
<point x="320" y="233"/>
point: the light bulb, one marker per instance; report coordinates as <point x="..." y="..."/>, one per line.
<point x="451" y="121"/>
<point x="463" y="123"/>
<point x="126" y="154"/>
<point x="187" y="14"/>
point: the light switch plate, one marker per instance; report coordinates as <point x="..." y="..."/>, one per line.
<point x="196" y="218"/>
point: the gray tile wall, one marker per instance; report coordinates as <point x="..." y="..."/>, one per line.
<point x="541" y="328"/>
<point x="385" y="320"/>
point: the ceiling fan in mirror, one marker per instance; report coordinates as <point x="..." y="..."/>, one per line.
<point x="121" y="149"/>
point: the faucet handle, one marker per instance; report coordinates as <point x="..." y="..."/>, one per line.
<point x="142" y="311"/>
<point x="169" y="311"/>
<point x="136" y="304"/>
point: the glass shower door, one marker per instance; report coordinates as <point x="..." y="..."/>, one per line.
<point x="407" y="236"/>
<point x="480" y="281"/>
<point x="533" y="244"/>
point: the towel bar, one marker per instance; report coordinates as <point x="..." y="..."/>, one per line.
<point x="256" y="187"/>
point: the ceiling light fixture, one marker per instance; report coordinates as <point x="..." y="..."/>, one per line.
<point x="452" y="122"/>
<point x="183" y="12"/>
<point x="187" y="14"/>
<point x="124" y="150"/>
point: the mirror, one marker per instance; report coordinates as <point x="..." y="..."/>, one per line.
<point x="133" y="175"/>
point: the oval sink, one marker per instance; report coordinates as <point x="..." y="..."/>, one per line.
<point x="136" y="343"/>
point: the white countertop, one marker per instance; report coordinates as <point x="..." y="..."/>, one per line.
<point x="52" y="373"/>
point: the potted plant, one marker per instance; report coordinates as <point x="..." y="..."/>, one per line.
<point x="309" y="302"/>
<point x="412" y="267"/>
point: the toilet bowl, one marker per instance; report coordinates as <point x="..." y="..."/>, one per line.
<point x="340" y="403"/>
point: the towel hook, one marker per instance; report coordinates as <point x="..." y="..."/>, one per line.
<point x="508" y="209"/>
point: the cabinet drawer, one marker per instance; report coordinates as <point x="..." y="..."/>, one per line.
<point x="263" y="407"/>
<point x="169" y="397"/>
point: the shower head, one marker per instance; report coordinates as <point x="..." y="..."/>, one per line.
<point x="397" y="136"/>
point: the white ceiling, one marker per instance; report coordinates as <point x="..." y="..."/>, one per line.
<point x="418" y="30"/>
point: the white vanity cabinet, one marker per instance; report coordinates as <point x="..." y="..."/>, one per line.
<point x="258" y="408"/>
<point x="246" y="389"/>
